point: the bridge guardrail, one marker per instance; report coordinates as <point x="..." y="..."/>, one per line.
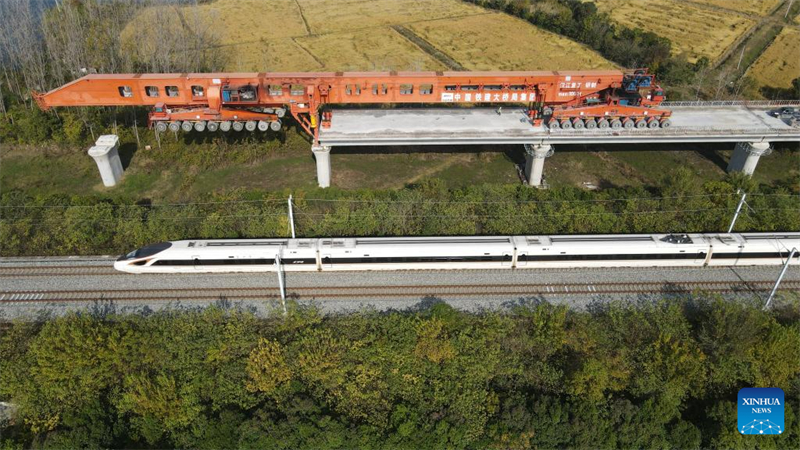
<point x="754" y="103"/>
<point x="676" y="132"/>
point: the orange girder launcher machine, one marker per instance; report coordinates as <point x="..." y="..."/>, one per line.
<point x="250" y="101"/>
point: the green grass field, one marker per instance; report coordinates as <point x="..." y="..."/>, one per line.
<point x="291" y="166"/>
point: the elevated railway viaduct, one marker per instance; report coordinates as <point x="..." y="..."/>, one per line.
<point x="536" y="109"/>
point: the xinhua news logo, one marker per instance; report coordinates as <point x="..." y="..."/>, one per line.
<point x="760" y="411"/>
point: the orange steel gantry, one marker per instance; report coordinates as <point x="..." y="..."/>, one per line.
<point x="225" y="101"/>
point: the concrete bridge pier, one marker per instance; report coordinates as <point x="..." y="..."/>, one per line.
<point x="322" y="153"/>
<point x="745" y="156"/>
<point x="534" y="162"/>
<point x="106" y="154"/>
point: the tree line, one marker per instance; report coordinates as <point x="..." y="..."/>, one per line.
<point x="539" y="376"/>
<point x="42" y="47"/>
<point x="96" y="224"/>
<point x="633" y="47"/>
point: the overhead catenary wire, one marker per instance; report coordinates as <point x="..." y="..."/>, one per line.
<point x="380" y="200"/>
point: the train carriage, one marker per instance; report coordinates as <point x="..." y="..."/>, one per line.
<point x="482" y="252"/>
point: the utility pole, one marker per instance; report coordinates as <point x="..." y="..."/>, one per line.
<point x="736" y="215"/>
<point x="291" y="215"/>
<point x="788" y="8"/>
<point x="780" y="277"/>
<point x="280" y="281"/>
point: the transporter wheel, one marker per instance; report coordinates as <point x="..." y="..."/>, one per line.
<point x="161" y="127"/>
<point x="666" y="123"/>
<point x="275" y="126"/>
<point x="566" y="124"/>
<point x="200" y="126"/>
<point x="628" y="124"/>
<point x="591" y="124"/>
<point x="174" y="127"/>
<point x="187" y="126"/>
<point x="641" y="123"/>
<point x="238" y="126"/>
<point x="577" y="124"/>
<point x="263" y="125"/>
<point x="603" y="124"/>
<point x="225" y="126"/>
<point x="250" y="125"/>
<point x="653" y="123"/>
<point x="280" y="112"/>
<point x="213" y="126"/>
<point x="616" y="124"/>
<point x="553" y="124"/>
<point x="547" y="111"/>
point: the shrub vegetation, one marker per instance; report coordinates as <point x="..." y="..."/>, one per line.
<point x="661" y="375"/>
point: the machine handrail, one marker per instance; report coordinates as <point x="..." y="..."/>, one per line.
<point x="750" y="103"/>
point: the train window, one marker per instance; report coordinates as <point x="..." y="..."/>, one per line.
<point x="352" y="89"/>
<point x="297" y="89"/>
<point x="198" y="91"/>
<point x="379" y="89"/>
<point x="406" y="89"/>
<point x="492" y="87"/>
<point x="151" y="91"/>
<point x="517" y="87"/>
<point x="426" y="89"/>
<point x="125" y="91"/>
<point x="275" y="89"/>
<point x="450" y="87"/>
<point x="469" y="87"/>
<point x="172" y="91"/>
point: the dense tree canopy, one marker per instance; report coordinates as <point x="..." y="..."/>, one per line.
<point x="69" y="225"/>
<point x="662" y="375"/>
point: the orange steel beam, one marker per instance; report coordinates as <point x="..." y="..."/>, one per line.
<point x="335" y="88"/>
<point x="236" y="97"/>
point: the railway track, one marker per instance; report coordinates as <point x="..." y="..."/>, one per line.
<point x="394" y="292"/>
<point x="57" y="271"/>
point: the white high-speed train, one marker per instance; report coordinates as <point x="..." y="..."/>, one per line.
<point x="491" y="252"/>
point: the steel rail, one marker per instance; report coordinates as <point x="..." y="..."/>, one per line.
<point x="396" y="291"/>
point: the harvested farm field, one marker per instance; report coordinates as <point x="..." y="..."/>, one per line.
<point x="757" y="7"/>
<point x="502" y="42"/>
<point x="694" y="30"/>
<point x="343" y="35"/>
<point x="780" y="62"/>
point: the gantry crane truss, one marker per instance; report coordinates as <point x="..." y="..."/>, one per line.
<point x="224" y="101"/>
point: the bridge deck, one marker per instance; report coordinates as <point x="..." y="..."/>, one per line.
<point x="441" y="126"/>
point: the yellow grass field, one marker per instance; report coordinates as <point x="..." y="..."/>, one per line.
<point x="502" y="42"/>
<point x="693" y="30"/>
<point x="757" y="7"/>
<point x="780" y="63"/>
<point x="327" y="16"/>
<point x="341" y="35"/>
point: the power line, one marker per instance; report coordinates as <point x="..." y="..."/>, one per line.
<point x="513" y="201"/>
<point x="136" y="205"/>
<point x="388" y="201"/>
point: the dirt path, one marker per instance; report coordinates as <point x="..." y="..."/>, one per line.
<point x="428" y="48"/>
<point x="752" y="37"/>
